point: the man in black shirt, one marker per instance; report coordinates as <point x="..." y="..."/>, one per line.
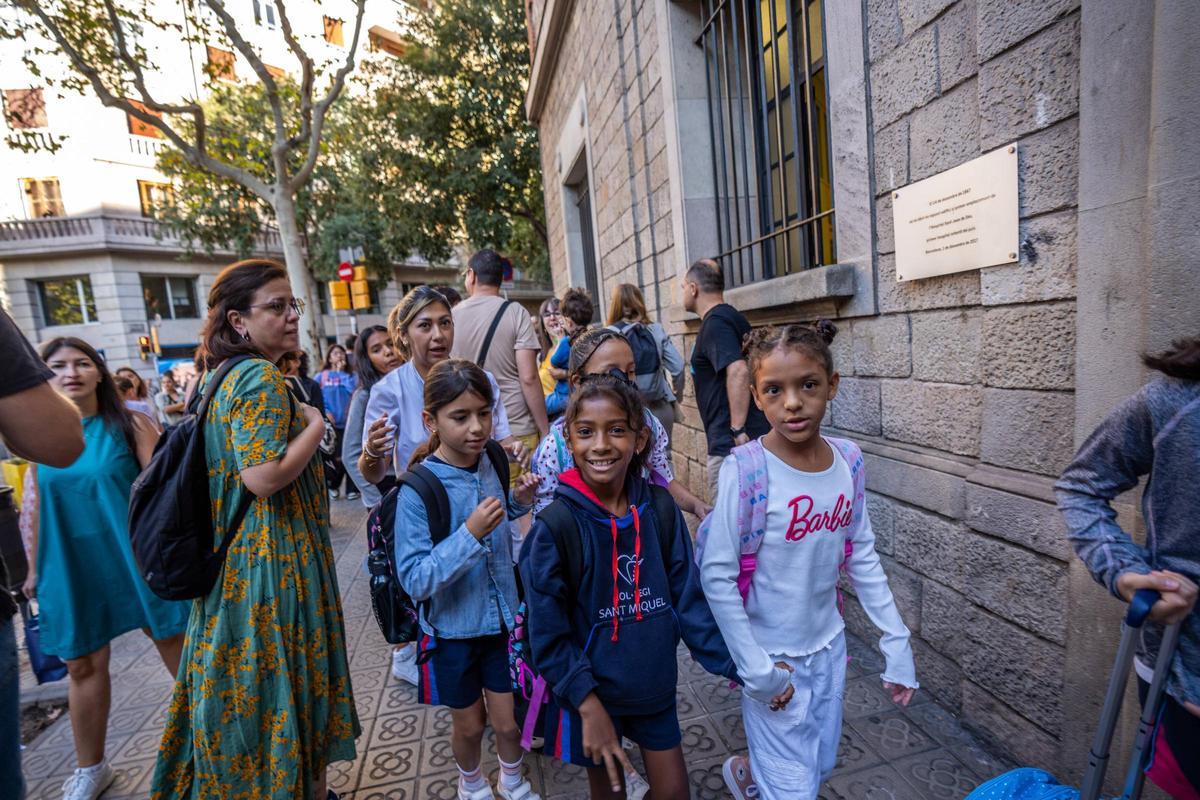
<point x="719" y="372"/>
<point x="37" y="423"/>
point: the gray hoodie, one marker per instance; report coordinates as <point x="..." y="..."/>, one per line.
<point x="1156" y="432"/>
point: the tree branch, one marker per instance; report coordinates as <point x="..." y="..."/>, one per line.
<point x="193" y="152"/>
<point x="307" y="78"/>
<point x="256" y="63"/>
<point x="318" y="123"/>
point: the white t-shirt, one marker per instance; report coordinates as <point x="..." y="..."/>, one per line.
<point x="401" y="395"/>
<point x="791" y="608"/>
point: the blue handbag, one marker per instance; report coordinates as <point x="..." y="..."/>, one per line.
<point x="46" y="667"/>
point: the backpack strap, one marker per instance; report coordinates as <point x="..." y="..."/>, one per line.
<point x="499" y="458"/>
<point x="433" y="494"/>
<point x="491" y="332"/>
<point x="565" y="532"/>
<point x="664" y="514"/>
<point x="243" y="508"/>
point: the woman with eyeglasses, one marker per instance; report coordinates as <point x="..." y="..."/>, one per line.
<point x="262" y="703"/>
<point x="550" y="333"/>
<point x="422" y="329"/>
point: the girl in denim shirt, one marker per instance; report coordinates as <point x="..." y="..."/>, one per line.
<point x="465" y="585"/>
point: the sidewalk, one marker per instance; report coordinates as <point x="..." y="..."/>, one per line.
<point x="404" y="753"/>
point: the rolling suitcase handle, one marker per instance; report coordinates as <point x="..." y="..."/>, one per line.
<point x="1139" y="610"/>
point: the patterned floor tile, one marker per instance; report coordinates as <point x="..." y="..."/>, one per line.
<point x="399" y="728"/>
<point x="982" y="764"/>
<point x="687" y="705"/>
<point x="892" y="735"/>
<point x="874" y="783"/>
<point x="705" y="779"/>
<point x="937" y="774"/>
<point x="865" y="696"/>
<point x="715" y="695"/>
<point x="854" y="753"/>
<point x="701" y="740"/>
<point x="384" y="766"/>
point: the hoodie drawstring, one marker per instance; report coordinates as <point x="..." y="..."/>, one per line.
<point x="637" y="563"/>
<point x="637" y="571"/>
<point x="612" y="522"/>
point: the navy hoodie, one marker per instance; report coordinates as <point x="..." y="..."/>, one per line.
<point x="594" y="637"/>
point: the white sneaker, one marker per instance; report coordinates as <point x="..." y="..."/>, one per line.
<point x="90" y="783"/>
<point x="479" y="794"/>
<point x="636" y="787"/>
<point x="522" y="791"/>
<point x="404" y="664"/>
<point x="333" y="494"/>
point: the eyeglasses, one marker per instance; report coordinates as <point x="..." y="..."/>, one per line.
<point x="552" y="314"/>
<point x="279" y="307"/>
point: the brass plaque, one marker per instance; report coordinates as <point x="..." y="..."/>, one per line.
<point x="961" y="219"/>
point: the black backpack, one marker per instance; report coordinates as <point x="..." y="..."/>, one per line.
<point x="647" y="363"/>
<point x="170" y="512"/>
<point x="394" y="610"/>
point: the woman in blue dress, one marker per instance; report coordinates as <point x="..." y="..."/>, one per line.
<point x="88" y="587"/>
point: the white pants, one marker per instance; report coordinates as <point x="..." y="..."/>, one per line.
<point x="793" y="750"/>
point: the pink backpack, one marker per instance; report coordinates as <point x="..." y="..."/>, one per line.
<point x="752" y="506"/>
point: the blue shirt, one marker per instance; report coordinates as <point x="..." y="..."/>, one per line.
<point x="469" y="583"/>
<point x="336" y="388"/>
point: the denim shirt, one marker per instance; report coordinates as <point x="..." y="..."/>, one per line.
<point x="470" y="584"/>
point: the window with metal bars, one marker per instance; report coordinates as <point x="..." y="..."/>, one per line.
<point x="768" y="100"/>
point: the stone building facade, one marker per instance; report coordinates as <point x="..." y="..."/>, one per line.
<point x="968" y="392"/>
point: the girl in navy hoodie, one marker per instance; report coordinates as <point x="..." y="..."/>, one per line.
<point x="606" y="611"/>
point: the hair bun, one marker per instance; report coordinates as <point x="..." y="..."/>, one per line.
<point x="826" y="330"/>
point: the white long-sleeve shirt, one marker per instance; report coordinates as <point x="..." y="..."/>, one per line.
<point x="791" y="608"/>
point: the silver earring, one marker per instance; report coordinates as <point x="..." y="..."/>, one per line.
<point x="245" y="336"/>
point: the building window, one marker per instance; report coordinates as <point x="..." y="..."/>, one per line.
<point x="264" y="13"/>
<point x="221" y="64"/>
<point x="67" y="301"/>
<point x="333" y="31"/>
<point x="43" y="197"/>
<point x="154" y="197"/>
<point x="769" y="121"/>
<point x="139" y="128"/>
<point x="381" y="40"/>
<point x="169" y="297"/>
<point x="25" y="108"/>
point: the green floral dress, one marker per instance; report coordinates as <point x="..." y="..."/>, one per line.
<point x="263" y="700"/>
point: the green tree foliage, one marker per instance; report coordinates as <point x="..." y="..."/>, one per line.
<point x="457" y="101"/>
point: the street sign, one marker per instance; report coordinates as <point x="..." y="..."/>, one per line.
<point x="339" y="295"/>
<point x="346" y="271"/>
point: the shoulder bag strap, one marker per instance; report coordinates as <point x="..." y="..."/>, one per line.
<point x="487" y="340"/>
<point x="499" y="458"/>
<point x="433" y="494"/>
<point x="239" y="515"/>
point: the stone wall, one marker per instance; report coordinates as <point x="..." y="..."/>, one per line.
<point x="960" y="388"/>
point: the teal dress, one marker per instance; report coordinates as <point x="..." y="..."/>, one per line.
<point x="89" y="589"/>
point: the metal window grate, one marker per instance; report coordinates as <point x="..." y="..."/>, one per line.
<point x="769" y="123"/>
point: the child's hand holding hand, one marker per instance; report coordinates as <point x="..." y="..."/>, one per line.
<point x="901" y="695"/>
<point x="780" y="701"/>
<point x="526" y="488"/>
<point x="486" y="516"/>
<point x="601" y="743"/>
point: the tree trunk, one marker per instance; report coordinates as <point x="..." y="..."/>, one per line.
<point x="311" y="333"/>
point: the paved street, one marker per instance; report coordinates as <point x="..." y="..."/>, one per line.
<point x="404" y="752"/>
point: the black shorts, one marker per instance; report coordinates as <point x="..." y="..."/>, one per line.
<point x="564" y="732"/>
<point x="454" y="672"/>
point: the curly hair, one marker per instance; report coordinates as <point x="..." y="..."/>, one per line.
<point x="811" y="338"/>
<point x="620" y="391"/>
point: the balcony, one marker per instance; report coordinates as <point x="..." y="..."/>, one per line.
<point x="107" y="232"/>
<point x="146" y="146"/>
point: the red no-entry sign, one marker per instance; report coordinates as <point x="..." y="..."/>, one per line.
<point x="346" y="271"/>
